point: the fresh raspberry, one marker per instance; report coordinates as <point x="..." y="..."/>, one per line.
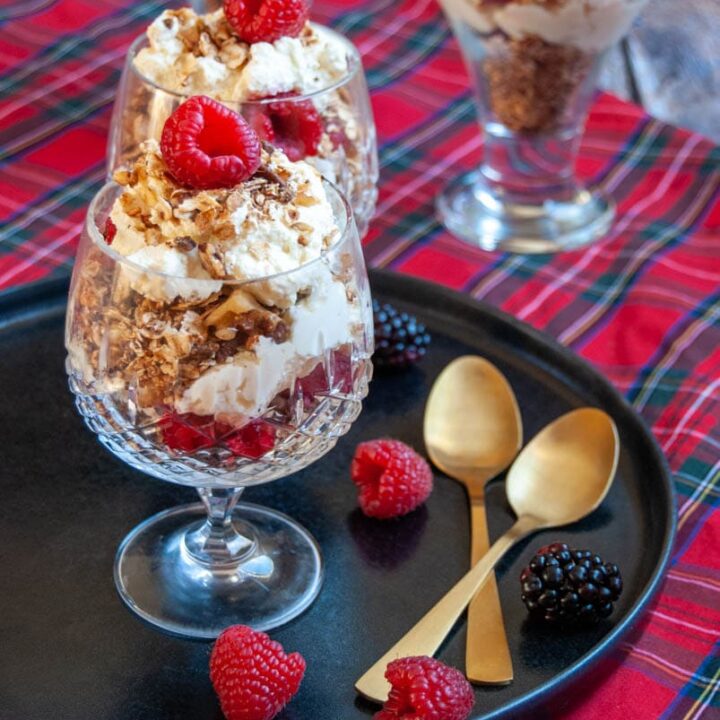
<point x="295" y="127"/>
<point x="253" y="440"/>
<point x="110" y="231"/>
<point x="393" y="479"/>
<point x="206" y="145"/>
<point x="252" y="676"/>
<point x="423" y="688"/>
<point x="188" y="432"/>
<point x="266" y="20"/>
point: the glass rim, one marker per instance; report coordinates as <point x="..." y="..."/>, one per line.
<point x="97" y="239"/>
<point x="354" y="64"/>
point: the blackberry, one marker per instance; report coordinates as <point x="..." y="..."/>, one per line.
<point x="564" y="586"/>
<point x="400" y="340"/>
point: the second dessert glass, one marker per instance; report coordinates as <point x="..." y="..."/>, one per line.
<point x="195" y="569"/>
<point x="347" y="155"/>
<point x="533" y="66"/>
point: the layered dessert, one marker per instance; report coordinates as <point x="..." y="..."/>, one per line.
<point x="220" y="304"/>
<point x="296" y="82"/>
<point x="537" y="54"/>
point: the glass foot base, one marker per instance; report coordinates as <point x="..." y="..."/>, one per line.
<point x="470" y="212"/>
<point x="277" y="577"/>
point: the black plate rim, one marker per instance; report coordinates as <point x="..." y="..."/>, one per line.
<point x="389" y="282"/>
<point x="47" y="298"/>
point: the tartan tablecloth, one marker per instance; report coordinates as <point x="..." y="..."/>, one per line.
<point x="643" y="306"/>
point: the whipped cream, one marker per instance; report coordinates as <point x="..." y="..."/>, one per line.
<point x="192" y="241"/>
<point x="199" y="54"/>
<point x="589" y="25"/>
<point x="246" y="384"/>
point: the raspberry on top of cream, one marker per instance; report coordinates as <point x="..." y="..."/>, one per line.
<point x="277" y="220"/>
<point x="589" y="25"/>
<point x="190" y="54"/>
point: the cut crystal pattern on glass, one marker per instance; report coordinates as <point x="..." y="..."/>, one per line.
<point x="136" y="365"/>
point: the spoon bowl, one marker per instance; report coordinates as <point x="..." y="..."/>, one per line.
<point x="472" y="424"/>
<point x="566" y="471"/>
<point x="473" y="430"/>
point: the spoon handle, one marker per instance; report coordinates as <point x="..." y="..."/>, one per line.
<point x="428" y="634"/>
<point x="487" y="655"/>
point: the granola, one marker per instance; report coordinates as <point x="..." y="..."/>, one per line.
<point x="212" y="338"/>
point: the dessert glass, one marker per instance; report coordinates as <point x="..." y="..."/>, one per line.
<point x="533" y="67"/>
<point x="348" y="152"/>
<point x="195" y="569"/>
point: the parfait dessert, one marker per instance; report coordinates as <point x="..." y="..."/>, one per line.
<point x="533" y="64"/>
<point x="219" y="335"/>
<point x="299" y="85"/>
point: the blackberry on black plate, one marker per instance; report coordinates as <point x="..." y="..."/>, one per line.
<point x="400" y="340"/>
<point x="565" y="586"/>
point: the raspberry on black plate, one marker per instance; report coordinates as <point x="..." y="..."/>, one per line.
<point x="564" y="586"/>
<point x="422" y="688"/>
<point x="392" y="478"/>
<point x="266" y="20"/>
<point x="206" y="145"/>
<point x="252" y="675"/>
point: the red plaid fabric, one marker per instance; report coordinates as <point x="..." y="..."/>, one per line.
<point x="643" y="305"/>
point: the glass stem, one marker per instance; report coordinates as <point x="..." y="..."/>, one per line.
<point x="530" y="170"/>
<point x="219" y="540"/>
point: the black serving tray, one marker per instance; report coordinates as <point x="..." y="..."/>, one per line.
<point x="69" y="650"/>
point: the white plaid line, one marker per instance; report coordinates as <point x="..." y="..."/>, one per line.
<point x="399" y="246"/>
<point x="693" y="581"/>
<point x="66" y="47"/>
<point x="50" y="204"/>
<point x="673" y="431"/>
<point x="700" y="326"/>
<point x="429" y="132"/>
<point x="55" y="125"/>
<point x="435" y="169"/>
<point x="715" y="685"/>
<point x="641" y="652"/>
<point x="708" y="480"/>
<point x="346" y="24"/>
<point x="390" y="30"/>
<point x="491" y="281"/>
<point x="28" y="98"/>
<point x="45" y="251"/>
<point x="649" y="248"/>
<point x="683" y="623"/>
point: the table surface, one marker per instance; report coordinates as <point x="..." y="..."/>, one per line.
<point x="643" y="305"/>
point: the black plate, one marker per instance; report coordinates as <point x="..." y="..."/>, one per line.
<point x="70" y="650"/>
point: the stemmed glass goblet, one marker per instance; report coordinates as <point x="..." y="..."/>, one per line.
<point x="195" y="569"/>
<point x="533" y="67"/>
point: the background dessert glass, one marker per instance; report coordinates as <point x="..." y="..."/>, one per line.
<point x="347" y="155"/>
<point x="532" y="96"/>
<point x="195" y="569"/>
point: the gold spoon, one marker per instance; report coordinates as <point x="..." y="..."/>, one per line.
<point x="561" y="476"/>
<point x="473" y="430"/>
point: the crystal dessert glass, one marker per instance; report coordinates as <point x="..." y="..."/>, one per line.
<point x="533" y="66"/>
<point x="277" y="386"/>
<point x="345" y="149"/>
